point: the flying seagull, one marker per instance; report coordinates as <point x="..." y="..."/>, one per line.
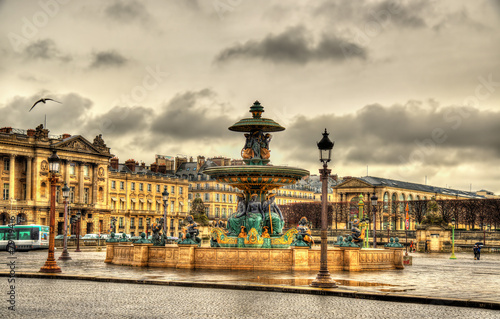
<point x="44" y="101"/>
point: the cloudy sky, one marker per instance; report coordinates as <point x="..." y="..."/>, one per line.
<point x="409" y="89"/>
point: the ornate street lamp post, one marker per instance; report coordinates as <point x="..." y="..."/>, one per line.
<point x="50" y="264"/>
<point x="65" y="254"/>
<point x="323" y="279"/>
<point x="165" y="203"/>
<point x="453" y="239"/>
<point x="374" y="200"/>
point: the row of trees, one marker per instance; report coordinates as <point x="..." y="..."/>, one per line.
<point x="471" y="213"/>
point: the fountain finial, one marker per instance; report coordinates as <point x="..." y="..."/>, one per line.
<point x="256" y="109"/>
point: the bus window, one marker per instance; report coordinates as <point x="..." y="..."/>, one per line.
<point x="34" y="234"/>
<point x="24" y="234"/>
<point x="2" y="234"/>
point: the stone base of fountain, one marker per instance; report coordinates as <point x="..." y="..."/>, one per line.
<point x="293" y="258"/>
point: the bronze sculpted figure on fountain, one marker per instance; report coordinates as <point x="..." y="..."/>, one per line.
<point x="303" y="237"/>
<point x="255" y="214"/>
<point x="256" y="146"/>
<point x="273" y="218"/>
<point x="191" y="233"/>
<point x="157" y="239"/>
<point x="237" y="220"/>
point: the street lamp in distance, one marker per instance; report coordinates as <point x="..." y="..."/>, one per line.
<point x="50" y="264"/>
<point x="165" y="203"/>
<point x="65" y="254"/>
<point x="374" y="202"/>
<point x="453" y="239"/>
<point x="323" y="279"/>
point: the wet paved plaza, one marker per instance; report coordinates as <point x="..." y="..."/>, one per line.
<point x="433" y="275"/>
<point x="44" y="298"/>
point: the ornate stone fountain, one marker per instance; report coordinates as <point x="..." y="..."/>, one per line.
<point x="257" y="215"/>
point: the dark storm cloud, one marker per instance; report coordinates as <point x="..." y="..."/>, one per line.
<point x="402" y="14"/>
<point x="294" y="45"/>
<point x="107" y="59"/>
<point x="121" y="121"/>
<point x="127" y="11"/>
<point x="45" y="49"/>
<point x="192" y="116"/>
<point x="402" y="134"/>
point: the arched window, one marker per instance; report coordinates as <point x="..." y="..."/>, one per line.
<point x="386" y="202"/>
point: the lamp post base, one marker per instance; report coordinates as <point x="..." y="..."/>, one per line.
<point x="65" y="255"/>
<point x="50" y="267"/>
<point x="323" y="280"/>
<point x="453" y="256"/>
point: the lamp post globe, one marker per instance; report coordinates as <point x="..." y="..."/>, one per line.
<point x="65" y="254"/>
<point x="323" y="279"/>
<point x="325" y="147"/>
<point x="50" y="265"/>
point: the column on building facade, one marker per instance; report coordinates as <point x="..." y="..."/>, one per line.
<point x="66" y="173"/>
<point x="29" y="174"/>
<point x="12" y="176"/>
<point x="81" y="182"/>
<point x="94" y="184"/>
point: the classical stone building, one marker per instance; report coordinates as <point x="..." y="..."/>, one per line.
<point x="25" y="177"/>
<point x="393" y="195"/>
<point x="220" y="200"/>
<point x="135" y="197"/>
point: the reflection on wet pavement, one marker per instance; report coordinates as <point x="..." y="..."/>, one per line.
<point x="431" y="274"/>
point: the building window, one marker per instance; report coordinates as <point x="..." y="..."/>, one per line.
<point x="181" y="189"/>
<point x="172" y="207"/>
<point x="224" y="198"/>
<point x="113" y="184"/>
<point x="113" y="205"/>
<point x="122" y="185"/>
<point x="6" y="164"/>
<point x="72" y="194"/>
<point x="207" y="197"/>
<point x="132" y="222"/>
<point x="230" y="198"/>
<point x="58" y="193"/>
<point x="149" y="187"/>
<point x="207" y="210"/>
<point x="172" y="190"/>
<point x="132" y="186"/>
<point x="122" y="204"/>
<point x="141" y="187"/>
<point x="217" y="186"/>
<point x="86" y="195"/>
<point x="223" y="213"/>
<point x="198" y="186"/>
<point x="157" y="188"/>
<point x="171" y="224"/>
<point x="206" y="185"/>
<point x="190" y="196"/>
<point x="72" y="169"/>
<point x="86" y="171"/>
<point x="149" y="206"/>
<point x="132" y="205"/>
<point x="217" y="210"/>
<point x="120" y="222"/>
<point x="141" y="206"/>
<point x="230" y="210"/>
<point x="5" y="191"/>
<point x="217" y="197"/>
<point x="140" y="222"/>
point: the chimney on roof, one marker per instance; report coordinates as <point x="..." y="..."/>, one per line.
<point x="162" y="168"/>
<point x="130" y="163"/>
<point x="114" y="163"/>
<point x="154" y="167"/>
<point x="143" y="165"/>
<point x="65" y="136"/>
<point x="31" y="132"/>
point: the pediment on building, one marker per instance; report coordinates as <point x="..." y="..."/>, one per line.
<point x="354" y="183"/>
<point x="79" y="144"/>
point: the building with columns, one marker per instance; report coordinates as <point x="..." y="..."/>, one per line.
<point x="393" y="195"/>
<point x="25" y="177"/>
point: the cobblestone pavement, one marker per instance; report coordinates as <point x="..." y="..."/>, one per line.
<point x="44" y="298"/>
<point x="433" y="275"/>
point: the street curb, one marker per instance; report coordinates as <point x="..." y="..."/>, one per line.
<point x="337" y="292"/>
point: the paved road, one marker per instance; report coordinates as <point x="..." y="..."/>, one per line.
<point x="44" y="298"/>
<point x="432" y="275"/>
